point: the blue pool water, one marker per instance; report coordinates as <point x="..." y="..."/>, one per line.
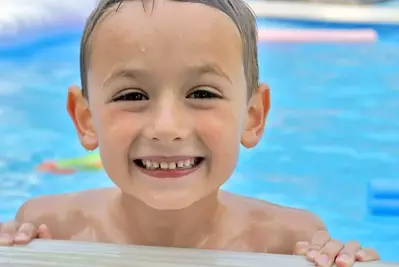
<point x="332" y="128"/>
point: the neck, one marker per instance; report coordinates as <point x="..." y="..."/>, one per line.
<point x="189" y="227"/>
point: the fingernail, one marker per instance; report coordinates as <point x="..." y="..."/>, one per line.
<point x="42" y="227"/>
<point x="21" y="237"/>
<point x="344" y="258"/>
<point x="5" y="239"/>
<point x="322" y="260"/>
<point x="361" y="255"/>
<point x="312" y="254"/>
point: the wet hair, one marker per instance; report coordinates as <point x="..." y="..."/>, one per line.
<point x="238" y="11"/>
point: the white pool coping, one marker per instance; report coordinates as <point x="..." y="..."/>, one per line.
<point x="78" y="254"/>
<point x="367" y="14"/>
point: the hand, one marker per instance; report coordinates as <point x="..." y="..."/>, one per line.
<point x="325" y="252"/>
<point x="14" y="233"/>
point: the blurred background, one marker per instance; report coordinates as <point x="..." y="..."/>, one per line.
<point x="332" y="141"/>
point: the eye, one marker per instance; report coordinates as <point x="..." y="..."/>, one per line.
<point x="131" y="96"/>
<point x="203" y="94"/>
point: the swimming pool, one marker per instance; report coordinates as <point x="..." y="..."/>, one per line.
<point x="332" y="128"/>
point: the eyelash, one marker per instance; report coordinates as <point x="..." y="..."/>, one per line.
<point x="138" y="96"/>
<point x="203" y="94"/>
<point x="131" y="96"/>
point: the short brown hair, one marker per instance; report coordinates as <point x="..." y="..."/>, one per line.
<point x="238" y="10"/>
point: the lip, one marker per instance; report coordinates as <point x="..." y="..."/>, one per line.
<point x="169" y="174"/>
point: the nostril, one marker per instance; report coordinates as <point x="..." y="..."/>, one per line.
<point x="166" y="139"/>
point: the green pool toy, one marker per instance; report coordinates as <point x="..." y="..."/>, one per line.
<point x="89" y="162"/>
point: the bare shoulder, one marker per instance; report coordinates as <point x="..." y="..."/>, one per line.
<point x="301" y="223"/>
<point x="62" y="212"/>
<point x="276" y="227"/>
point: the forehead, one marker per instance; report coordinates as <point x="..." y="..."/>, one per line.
<point x="171" y="35"/>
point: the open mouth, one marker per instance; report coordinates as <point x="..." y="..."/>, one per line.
<point x="186" y="164"/>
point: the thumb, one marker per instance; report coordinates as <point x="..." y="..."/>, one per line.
<point x="43" y="232"/>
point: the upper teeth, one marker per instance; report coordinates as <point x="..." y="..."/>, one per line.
<point x="181" y="164"/>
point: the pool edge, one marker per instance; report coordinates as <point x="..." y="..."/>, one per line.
<point x="55" y="253"/>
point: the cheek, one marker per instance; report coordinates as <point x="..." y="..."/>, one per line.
<point x="221" y="131"/>
<point x="115" y="131"/>
<point x="219" y="128"/>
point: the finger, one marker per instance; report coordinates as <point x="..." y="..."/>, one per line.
<point x="347" y="256"/>
<point x="328" y="254"/>
<point x="44" y="232"/>
<point x="367" y="254"/>
<point x="301" y="248"/>
<point x="7" y="233"/>
<point x="26" y="232"/>
<point x="318" y="241"/>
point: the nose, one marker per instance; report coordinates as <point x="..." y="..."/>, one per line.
<point x="168" y="122"/>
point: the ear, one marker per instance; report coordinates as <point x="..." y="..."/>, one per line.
<point x="258" y="109"/>
<point x="81" y="116"/>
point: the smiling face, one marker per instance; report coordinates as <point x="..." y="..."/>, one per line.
<point x="168" y="101"/>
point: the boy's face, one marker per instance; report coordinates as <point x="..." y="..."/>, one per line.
<point x="168" y="101"/>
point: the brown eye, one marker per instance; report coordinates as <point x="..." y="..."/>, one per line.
<point x="203" y="94"/>
<point x="131" y="96"/>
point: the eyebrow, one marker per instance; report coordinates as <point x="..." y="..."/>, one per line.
<point x="208" y="68"/>
<point x="194" y="70"/>
<point x="126" y="73"/>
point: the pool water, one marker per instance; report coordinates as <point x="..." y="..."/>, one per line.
<point x="333" y="127"/>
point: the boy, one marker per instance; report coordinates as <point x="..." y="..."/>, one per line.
<point x="169" y="91"/>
